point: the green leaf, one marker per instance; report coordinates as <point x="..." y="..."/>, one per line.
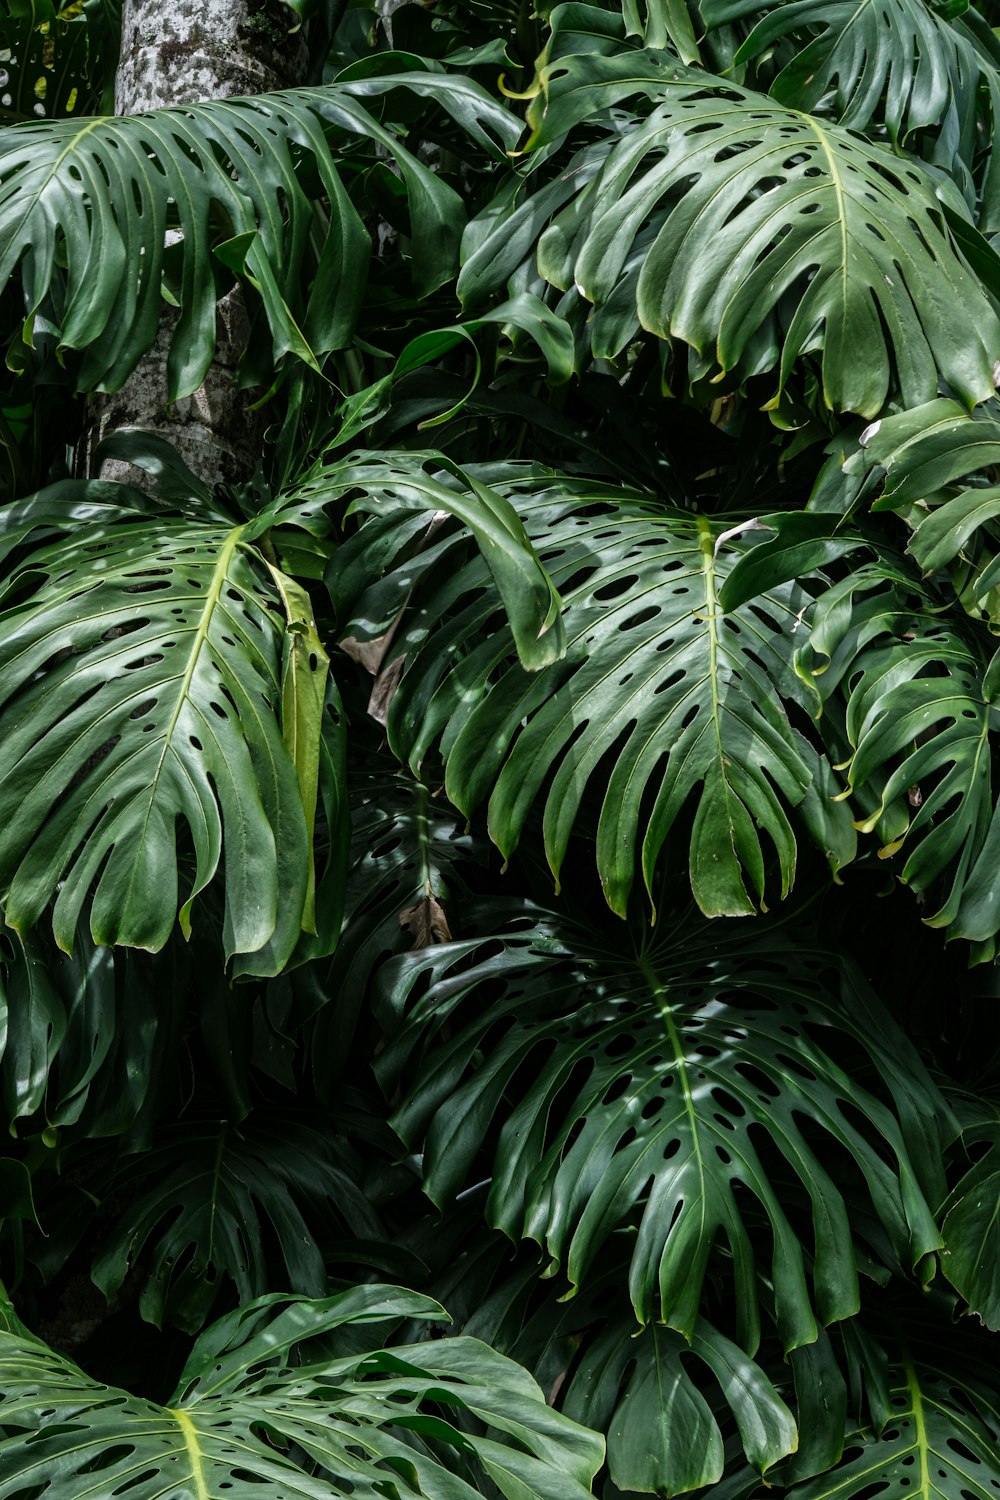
<point x="804" y="541"/>
<point x="172" y="623"/>
<point x="897" y="61"/>
<point x="656" y="1394"/>
<point x="256" y="1406"/>
<point x="821" y="1407"/>
<point x="971" y="1255"/>
<point x="921" y="456"/>
<point x="207" y="1201"/>
<point x="305" y="671"/>
<point x="662" y="1435"/>
<point x="757" y="234"/>
<point x="690" y="703"/>
<point x="940" y="1439"/>
<point x="33" y="1027"/>
<point x="914" y="731"/>
<point x="633" y="1089"/>
<point x="408" y="851"/>
<point x="529" y="597"/>
<point x="86" y="205"/>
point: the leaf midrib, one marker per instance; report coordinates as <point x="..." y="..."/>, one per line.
<point x="193" y="1449"/>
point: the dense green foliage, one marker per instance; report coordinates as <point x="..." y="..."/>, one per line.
<point x="497" y="864"/>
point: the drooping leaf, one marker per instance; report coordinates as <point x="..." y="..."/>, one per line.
<point x="757" y="234"/>
<point x="379" y="484"/>
<point x="86" y="206"/>
<point x="914" y="693"/>
<point x="689" y="702"/>
<point x="140" y="691"/>
<point x="599" y="1367"/>
<point x="634" y="1089"/>
<point x="208" y="1202"/>
<point x="253" y="1408"/>
<point x="971" y="1255"/>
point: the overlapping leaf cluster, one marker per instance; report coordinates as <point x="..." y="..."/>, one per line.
<point x="506" y="847"/>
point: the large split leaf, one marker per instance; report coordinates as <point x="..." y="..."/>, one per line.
<point x="898" y="61"/>
<point x="206" y="1204"/>
<point x="86" y="207"/>
<point x="140" y="695"/>
<point x="668" y="1405"/>
<point x="937" y="465"/>
<point x="379" y="483"/>
<point x="757" y="234"/>
<point x="907" y="698"/>
<point x="665" y="1089"/>
<point x="937" y="1436"/>
<point x="661" y="702"/>
<point x="260" y="1404"/>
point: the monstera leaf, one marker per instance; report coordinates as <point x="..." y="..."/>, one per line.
<point x="663" y="1089"/>
<point x="898" y="61"/>
<point x="98" y="214"/>
<point x="907" y="706"/>
<point x="207" y="1200"/>
<point x="935" y="1428"/>
<point x="667" y="1405"/>
<point x="757" y="234"/>
<point x="689" y="702"/>
<point x="261" y="1405"/>
<point x="141" y="687"/>
<point x="160" y="670"/>
<point x="936" y="463"/>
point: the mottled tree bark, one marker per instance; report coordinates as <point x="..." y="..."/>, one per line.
<point x="178" y="52"/>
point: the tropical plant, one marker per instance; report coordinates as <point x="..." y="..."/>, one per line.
<point x="521" y="849"/>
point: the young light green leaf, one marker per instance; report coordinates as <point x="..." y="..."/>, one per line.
<point x="305" y="670"/>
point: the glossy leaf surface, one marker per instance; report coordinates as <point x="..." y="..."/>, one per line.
<point x="650" y="1081"/>
<point x="688" y="702"/>
<point x="87" y="205"/>
<point x="254" y="1408"/>
<point x="170" y="627"/>
<point x="757" y="234"/>
<point x="917" y="693"/>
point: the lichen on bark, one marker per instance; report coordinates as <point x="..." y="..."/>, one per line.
<point x="178" y="53"/>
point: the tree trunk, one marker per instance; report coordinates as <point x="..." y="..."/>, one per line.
<point x="178" y="53"/>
